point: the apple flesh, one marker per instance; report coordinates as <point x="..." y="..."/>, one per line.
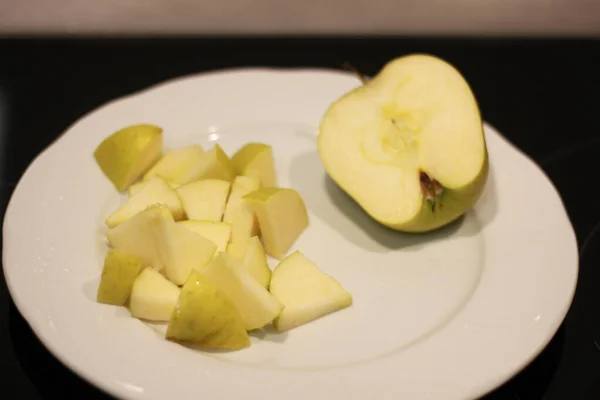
<point x="217" y="232"/>
<point x="128" y="153"/>
<point x="153" y="297"/>
<point x="237" y="213"/>
<point x="408" y="145"/>
<point x="256" y="160"/>
<point x="251" y="256"/>
<point x="205" y="199"/>
<point x="176" y="163"/>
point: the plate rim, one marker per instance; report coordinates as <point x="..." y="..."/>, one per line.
<point x="116" y="390"/>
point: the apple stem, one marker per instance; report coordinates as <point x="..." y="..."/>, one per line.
<point x="349" y="67"/>
<point x="431" y="188"/>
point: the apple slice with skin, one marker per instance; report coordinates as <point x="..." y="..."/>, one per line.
<point x="205" y="317"/>
<point x="237" y="213"/>
<point x="215" y="164"/>
<point x="135" y="236"/>
<point x="305" y="291"/>
<point x="176" y="163"/>
<point x="408" y="146"/>
<point x="281" y="215"/>
<point x="181" y="249"/>
<point x="256" y="160"/>
<point x="251" y="256"/>
<point x="118" y="275"/>
<point x="128" y="153"/>
<point x="153" y="297"/>
<point x="204" y="200"/>
<point x="156" y="191"/>
<point x="255" y="304"/>
<point x="217" y="232"/>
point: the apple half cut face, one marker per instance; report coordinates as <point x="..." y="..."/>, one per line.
<point x="408" y="145"/>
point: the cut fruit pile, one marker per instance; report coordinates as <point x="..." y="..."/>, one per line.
<point x="189" y="245"/>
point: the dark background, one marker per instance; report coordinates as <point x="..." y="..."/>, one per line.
<point x="543" y="95"/>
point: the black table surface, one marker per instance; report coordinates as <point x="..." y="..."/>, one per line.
<point x="543" y="95"/>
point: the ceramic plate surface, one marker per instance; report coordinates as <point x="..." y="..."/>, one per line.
<point x="448" y="315"/>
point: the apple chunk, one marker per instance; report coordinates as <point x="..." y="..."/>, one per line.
<point x="237" y="213"/>
<point x="118" y="275"/>
<point x="156" y="191"/>
<point x="251" y="256"/>
<point x="408" y="146"/>
<point x="282" y="217"/>
<point x="128" y="153"/>
<point x="215" y="164"/>
<point x="153" y="297"/>
<point x="204" y="199"/>
<point x="204" y="316"/>
<point x="176" y="163"/>
<point x="256" y="160"/>
<point x="306" y="292"/>
<point x="217" y="232"/>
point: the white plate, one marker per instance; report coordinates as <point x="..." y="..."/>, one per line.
<point x="449" y="315"/>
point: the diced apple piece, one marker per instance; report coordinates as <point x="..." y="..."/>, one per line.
<point x="128" y="153"/>
<point x="153" y="297"/>
<point x="256" y="159"/>
<point x="137" y="186"/>
<point x="282" y="217"/>
<point x="176" y="163"/>
<point x="215" y="164"/>
<point x="156" y="191"/>
<point x="237" y="213"/>
<point x="251" y="256"/>
<point x="119" y="272"/>
<point x="204" y="200"/>
<point x="181" y="249"/>
<point x="408" y="146"/>
<point x="217" y="232"/>
<point x="204" y="316"/>
<point x="306" y="292"/>
<point x="255" y="304"/>
<point x="136" y="236"/>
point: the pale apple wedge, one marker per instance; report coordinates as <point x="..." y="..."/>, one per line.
<point x="281" y="215"/>
<point x="153" y="297"/>
<point x="176" y="163"/>
<point x="408" y="146"/>
<point x="181" y="249"/>
<point x="137" y="186"/>
<point x="255" y="304"/>
<point x="215" y="164"/>
<point x="204" y="200"/>
<point x="306" y="292"/>
<point x="237" y="213"/>
<point x="217" y="232"/>
<point x="156" y="191"/>
<point x="256" y="160"/>
<point x="206" y="318"/>
<point x="128" y="153"/>
<point x="118" y="275"/>
<point x="136" y="236"/>
<point x="251" y="256"/>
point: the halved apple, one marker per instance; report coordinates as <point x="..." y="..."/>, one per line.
<point x="408" y="146"/>
<point x="204" y="199"/>
<point x="176" y="163"/>
<point x="128" y="153"/>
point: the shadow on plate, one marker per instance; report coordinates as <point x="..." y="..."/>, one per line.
<point x="340" y="212"/>
<point x="49" y="376"/>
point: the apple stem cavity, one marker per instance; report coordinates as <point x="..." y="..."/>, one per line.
<point x="349" y="67"/>
<point x="431" y="189"/>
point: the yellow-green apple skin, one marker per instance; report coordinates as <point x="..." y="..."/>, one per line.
<point x="205" y="199"/>
<point x="255" y="304"/>
<point x="306" y="292"/>
<point x="128" y="153"/>
<point x="155" y="191"/>
<point x="251" y="256"/>
<point x="205" y="317"/>
<point x="408" y="145"/>
<point x="281" y="215"/>
<point x="136" y="236"/>
<point x="118" y="275"/>
<point x="237" y="213"/>
<point x="217" y="232"/>
<point x="175" y="164"/>
<point x="153" y="297"/>
<point x="256" y="160"/>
